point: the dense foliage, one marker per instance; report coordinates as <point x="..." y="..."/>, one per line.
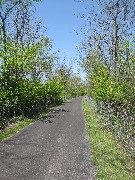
<point x="31" y="80"/>
<point x="110" y="65"/>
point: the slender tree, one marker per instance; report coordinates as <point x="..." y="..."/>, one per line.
<point x="108" y="22"/>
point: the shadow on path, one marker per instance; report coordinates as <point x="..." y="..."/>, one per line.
<point x="55" y="114"/>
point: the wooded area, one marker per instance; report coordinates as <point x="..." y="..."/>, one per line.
<point x="31" y="77"/>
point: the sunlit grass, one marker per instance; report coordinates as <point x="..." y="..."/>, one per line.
<point x="111" y="161"/>
<point x="15" y="128"/>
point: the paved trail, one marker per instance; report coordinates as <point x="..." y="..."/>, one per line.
<point x="56" y="148"/>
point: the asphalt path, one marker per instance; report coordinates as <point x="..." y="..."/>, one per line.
<point x="54" y="148"/>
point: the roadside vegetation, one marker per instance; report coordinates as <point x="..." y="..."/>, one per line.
<point x="109" y="61"/>
<point x="32" y="79"/>
<point x="110" y="158"/>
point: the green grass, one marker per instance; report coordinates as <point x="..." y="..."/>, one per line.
<point x="23" y="123"/>
<point x="110" y="159"/>
<point x="15" y="128"/>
